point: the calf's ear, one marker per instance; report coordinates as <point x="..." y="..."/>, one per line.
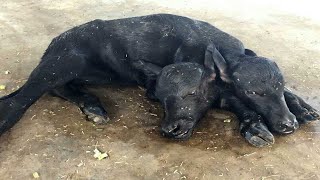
<point x="149" y="69"/>
<point x="214" y="58"/>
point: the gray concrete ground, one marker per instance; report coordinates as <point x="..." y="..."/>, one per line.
<point x="54" y="139"/>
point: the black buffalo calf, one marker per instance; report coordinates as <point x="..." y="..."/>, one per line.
<point x="177" y="60"/>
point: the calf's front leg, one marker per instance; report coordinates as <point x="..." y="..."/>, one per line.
<point x="303" y="111"/>
<point x="252" y="125"/>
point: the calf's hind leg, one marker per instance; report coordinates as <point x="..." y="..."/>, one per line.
<point x="88" y="103"/>
<point x="52" y="72"/>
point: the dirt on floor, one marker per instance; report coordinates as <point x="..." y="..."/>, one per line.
<point x="54" y="139"/>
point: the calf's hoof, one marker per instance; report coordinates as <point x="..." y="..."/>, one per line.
<point x="308" y="116"/>
<point x="257" y="134"/>
<point x="96" y="114"/>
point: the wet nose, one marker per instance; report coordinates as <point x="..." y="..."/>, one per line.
<point x="170" y="130"/>
<point x="179" y="129"/>
<point x="287" y="126"/>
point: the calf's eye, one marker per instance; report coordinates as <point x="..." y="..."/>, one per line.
<point x="250" y="92"/>
<point x="254" y="93"/>
<point x="190" y="94"/>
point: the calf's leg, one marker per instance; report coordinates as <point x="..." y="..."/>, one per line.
<point x="88" y="103"/>
<point x="303" y="111"/>
<point x="252" y="126"/>
<point x="52" y="72"/>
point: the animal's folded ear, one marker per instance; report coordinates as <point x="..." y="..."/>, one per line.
<point x="148" y="69"/>
<point x="214" y="58"/>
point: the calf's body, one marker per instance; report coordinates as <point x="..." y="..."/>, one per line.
<point x="176" y="58"/>
<point x="116" y="51"/>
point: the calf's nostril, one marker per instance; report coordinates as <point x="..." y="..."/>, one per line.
<point x="174" y="129"/>
<point x="296" y="125"/>
<point x="287" y="127"/>
<point x="170" y="129"/>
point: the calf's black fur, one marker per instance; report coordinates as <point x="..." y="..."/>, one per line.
<point x="177" y="60"/>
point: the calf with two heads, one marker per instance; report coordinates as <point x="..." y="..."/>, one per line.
<point x="188" y="65"/>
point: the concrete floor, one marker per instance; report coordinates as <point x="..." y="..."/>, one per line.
<point x="54" y="139"/>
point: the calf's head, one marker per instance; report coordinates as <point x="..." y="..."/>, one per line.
<point x="187" y="91"/>
<point x="258" y="82"/>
